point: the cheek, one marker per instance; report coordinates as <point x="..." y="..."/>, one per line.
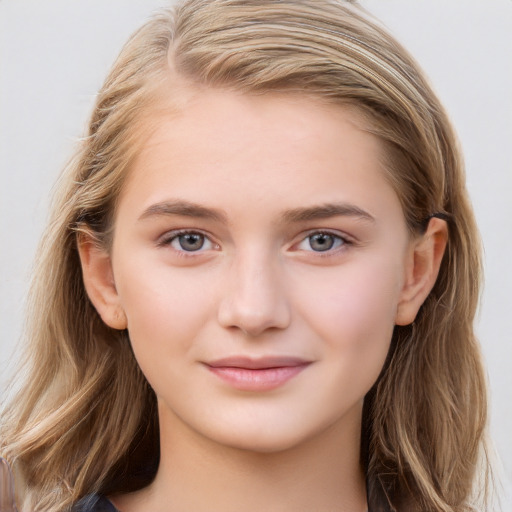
<point x="353" y="312"/>
<point x="165" y="308"/>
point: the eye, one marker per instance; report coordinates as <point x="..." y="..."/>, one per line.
<point x="188" y="241"/>
<point x="321" y="242"/>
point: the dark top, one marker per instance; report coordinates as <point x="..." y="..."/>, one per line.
<point x="94" y="503"/>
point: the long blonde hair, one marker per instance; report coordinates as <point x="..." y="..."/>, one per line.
<point x="85" y="419"/>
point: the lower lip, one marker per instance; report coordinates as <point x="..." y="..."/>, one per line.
<point x="263" y="379"/>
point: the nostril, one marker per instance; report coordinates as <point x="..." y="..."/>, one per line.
<point x="254" y="319"/>
<point x="254" y="298"/>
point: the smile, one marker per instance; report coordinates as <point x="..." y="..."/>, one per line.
<point x="263" y="374"/>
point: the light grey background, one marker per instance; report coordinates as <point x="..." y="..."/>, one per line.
<point x="55" y="54"/>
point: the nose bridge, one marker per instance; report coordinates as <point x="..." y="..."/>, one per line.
<point x="256" y="296"/>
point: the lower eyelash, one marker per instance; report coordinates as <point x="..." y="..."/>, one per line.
<point x="167" y="239"/>
<point x="344" y="240"/>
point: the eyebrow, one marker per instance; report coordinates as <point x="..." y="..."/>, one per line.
<point x="184" y="208"/>
<point x="326" y="211"/>
<point x="296" y="215"/>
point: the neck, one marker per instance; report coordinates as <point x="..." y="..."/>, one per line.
<point x="196" y="474"/>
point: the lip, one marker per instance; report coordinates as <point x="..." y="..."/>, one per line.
<point x="262" y="374"/>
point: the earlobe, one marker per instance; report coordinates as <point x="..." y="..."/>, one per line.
<point x="426" y="254"/>
<point x="99" y="282"/>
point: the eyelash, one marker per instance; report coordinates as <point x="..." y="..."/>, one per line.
<point x="340" y="242"/>
<point x="167" y="240"/>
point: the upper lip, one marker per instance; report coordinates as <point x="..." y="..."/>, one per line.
<point x="259" y="363"/>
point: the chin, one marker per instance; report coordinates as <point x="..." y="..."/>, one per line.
<point x="262" y="444"/>
<point x="268" y="438"/>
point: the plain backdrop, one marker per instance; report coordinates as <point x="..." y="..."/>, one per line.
<point x="55" y="54"/>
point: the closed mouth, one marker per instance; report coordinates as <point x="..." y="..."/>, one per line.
<point x="261" y="374"/>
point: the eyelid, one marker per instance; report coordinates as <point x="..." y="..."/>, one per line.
<point x="346" y="241"/>
<point x="168" y="237"/>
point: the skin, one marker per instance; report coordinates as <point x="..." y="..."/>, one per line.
<point x="249" y="177"/>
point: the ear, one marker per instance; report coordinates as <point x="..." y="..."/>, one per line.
<point x="99" y="282"/>
<point x="424" y="261"/>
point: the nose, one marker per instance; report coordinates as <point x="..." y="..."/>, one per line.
<point x="256" y="297"/>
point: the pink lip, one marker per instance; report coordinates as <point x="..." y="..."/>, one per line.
<point x="262" y="374"/>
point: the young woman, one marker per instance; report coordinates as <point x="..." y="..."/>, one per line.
<point x="258" y="285"/>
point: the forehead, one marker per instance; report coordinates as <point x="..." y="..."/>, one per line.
<point x="185" y="108"/>
<point x="222" y="144"/>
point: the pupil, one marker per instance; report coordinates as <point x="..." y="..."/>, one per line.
<point x="191" y="241"/>
<point x="321" y="242"/>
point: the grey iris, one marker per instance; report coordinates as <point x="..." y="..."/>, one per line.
<point x="191" y="241"/>
<point x="321" y="241"/>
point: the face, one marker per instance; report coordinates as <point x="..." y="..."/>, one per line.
<point x="260" y="257"/>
